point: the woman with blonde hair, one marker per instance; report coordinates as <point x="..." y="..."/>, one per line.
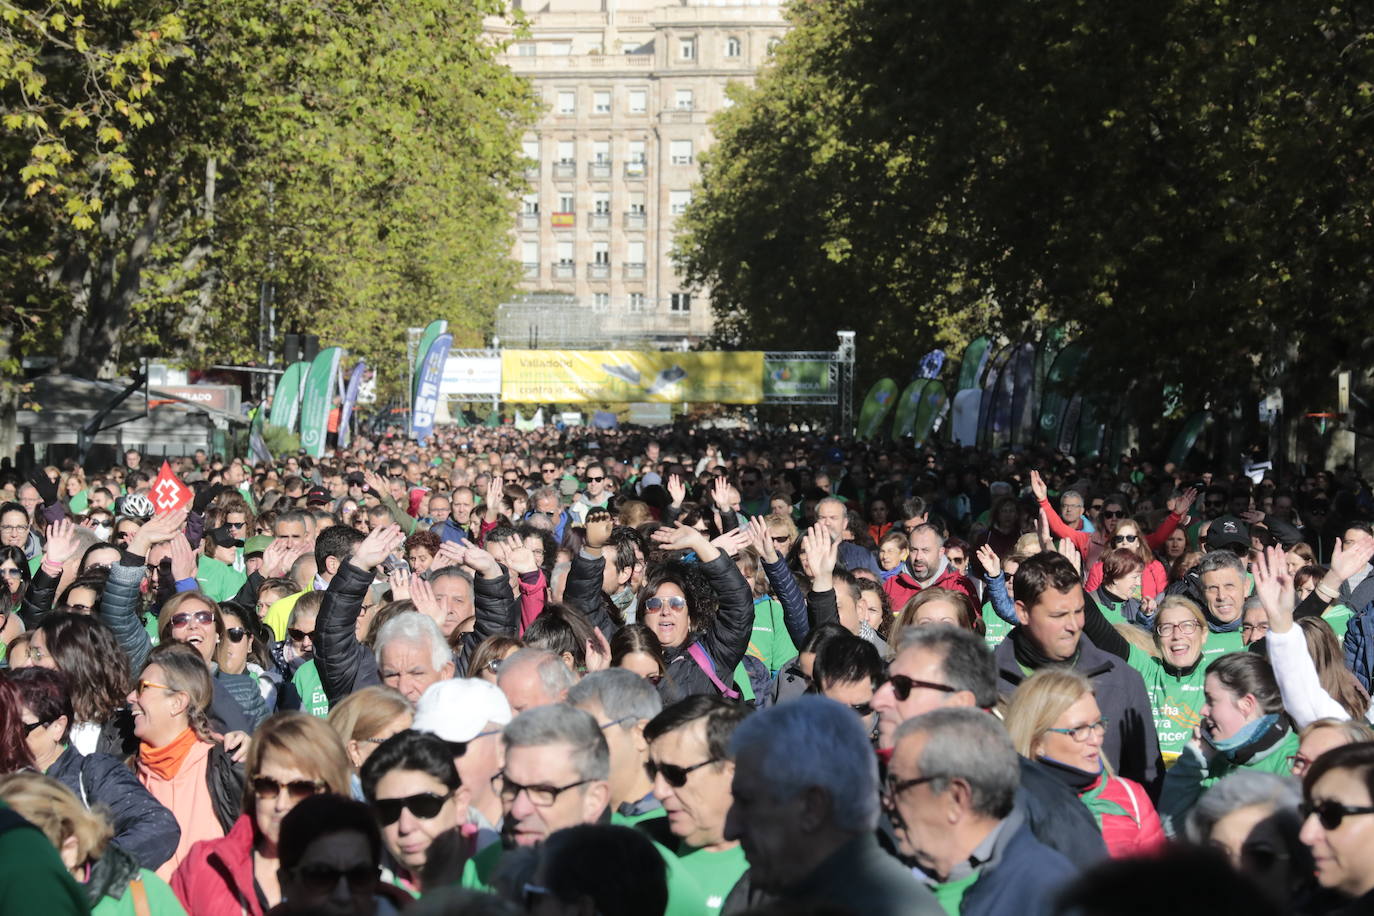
<point x="365" y="719"/>
<point x="179" y="761"/>
<point x="938" y="605"/>
<point x="114" y="883"/>
<point x="1054" y="721"/>
<point x="1320" y="736"/>
<point x="293" y="756"/>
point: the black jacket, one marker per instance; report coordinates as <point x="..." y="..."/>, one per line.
<point x="142" y="826"/>
<point x="725" y="641"/>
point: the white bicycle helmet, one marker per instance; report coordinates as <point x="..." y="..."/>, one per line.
<point x="136" y="505"/>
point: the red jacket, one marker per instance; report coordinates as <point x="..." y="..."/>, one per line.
<point x="216" y="879"/>
<point x="1138" y="832"/>
<point x="902" y="587"/>
<point x="1153" y="580"/>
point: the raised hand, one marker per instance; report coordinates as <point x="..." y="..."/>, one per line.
<point x="1069" y="549"/>
<point x="1252" y="517"/>
<point x="496" y="491"/>
<point x="399" y="580"/>
<point x="157" y="530"/>
<point x="990" y="561"/>
<point x="521" y="559"/>
<point x="680" y="537"/>
<point x="376" y="483"/>
<point x="1348" y="560"/>
<point x="482" y="562"/>
<point x="422" y="594"/>
<point x="1184" y="502"/>
<point x="450" y="553"/>
<point x="822" y="552"/>
<point x="762" y="539"/>
<point x="377" y="546"/>
<point x="278" y="557"/>
<point x="731" y="542"/>
<point x="1038" y="487"/>
<point x="62" y="542"/>
<point x="1042" y="531"/>
<point x="1274" y="588"/>
<point x="676" y="490"/>
<point x="599" y="524"/>
<point x="720" y="493"/>
<point x="183" y="558"/>
<point x="597" y="652"/>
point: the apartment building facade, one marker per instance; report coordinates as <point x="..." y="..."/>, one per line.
<point x="628" y="88"/>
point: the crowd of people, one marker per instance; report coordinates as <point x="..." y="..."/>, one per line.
<point x="646" y="672"/>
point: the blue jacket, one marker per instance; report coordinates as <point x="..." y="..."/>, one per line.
<point x="1024" y="876"/>
<point x="1359" y="644"/>
<point x="142" y="826"/>
<point x="449" y="530"/>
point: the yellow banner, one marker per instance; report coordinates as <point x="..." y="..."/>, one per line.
<point x="629" y="376"/>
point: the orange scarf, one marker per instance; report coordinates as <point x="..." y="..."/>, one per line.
<point x="164" y="762"/>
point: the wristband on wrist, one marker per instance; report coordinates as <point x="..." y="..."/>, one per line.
<point x="51" y="567"/>
<point x="1327" y="591"/>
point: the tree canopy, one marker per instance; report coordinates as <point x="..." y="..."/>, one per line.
<point x="169" y="157"/>
<point x="1185" y="185"/>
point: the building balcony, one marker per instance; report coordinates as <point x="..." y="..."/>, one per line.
<point x="529" y="221"/>
<point x="598" y="170"/>
<point x="564" y="270"/>
<point x="599" y="220"/>
<point x="565" y="169"/>
<point x="634" y="270"/>
<point x="635" y="220"/>
<point x="636" y="169"/>
<point x="530" y="270"/>
<point x="598" y="270"/>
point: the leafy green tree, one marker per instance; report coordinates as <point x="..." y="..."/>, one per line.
<point x="1185" y="185"/>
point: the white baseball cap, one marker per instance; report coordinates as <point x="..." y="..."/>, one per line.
<point x="458" y="709"/>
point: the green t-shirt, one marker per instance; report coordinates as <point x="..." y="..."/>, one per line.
<point x="219" y="581"/>
<point x="1338" y="616"/>
<point x="1177" y="701"/>
<point x="1112" y="611"/>
<point x="308" y="685"/>
<point x="631" y="820"/>
<point x="769" y="642"/>
<point x="478" y="871"/>
<point x="995" y="628"/>
<point x="33" y="879"/>
<point x="950" y="895"/>
<point x="715" y="874"/>
<point x="1218" y="644"/>
<point x="161" y="900"/>
<point x="79" y="502"/>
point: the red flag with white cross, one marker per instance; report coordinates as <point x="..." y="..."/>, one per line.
<point x="168" y="493"/>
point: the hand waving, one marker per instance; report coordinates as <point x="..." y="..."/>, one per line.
<point x="1274" y="587"/>
<point x="990" y="561"/>
<point x="377" y="546"/>
<point x="62" y="542"/>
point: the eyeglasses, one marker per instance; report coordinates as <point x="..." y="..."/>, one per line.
<point x="321" y="878"/>
<point x="1330" y="813"/>
<point x="144" y="685"/>
<point x="236" y="634"/>
<point x="1183" y="628"/>
<point x="1081" y="733"/>
<point x="296" y="789"/>
<point x="184" y="618"/>
<point x="892" y="788"/>
<point x="676" y="602"/>
<point x="1114" y="513"/>
<point x="621" y="721"/>
<point x="1255" y="627"/>
<point x="1299" y="764"/>
<point x="11" y="573"/>
<point x="13" y="529"/>
<point x="674" y="776"/>
<point x="541" y="796"/>
<point x="425" y="806"/>
<point x="1096" y="507"/>
<point x="1125" y="539"/>
<point x="903" y="685"/>
<point x="237" y="524"/>
<point x="300" y="635"/>
<point x="31" y="727"/>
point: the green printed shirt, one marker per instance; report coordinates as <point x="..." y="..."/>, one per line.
<point x="311" y="688"/>
<point x="715" y="873"/>
<point x="769" y="642"/>
<point x="1177" y="701"/>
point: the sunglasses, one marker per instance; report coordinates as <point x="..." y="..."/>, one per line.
<point x="425" y="806"/>
<point x="676" y="602"/>
<point x="1096" y="507"/>
<point x="780" y="540"/>
<point x="903" y="685"/>
<point x="321" y="878"/>
<point x="236" y="634"/>
<point x="184" y="618"/>
<point x="1125" y="539"/>
<point x="296" y="789"/>
<point x="1330" y="813"/>
<point x="1114" y="513"/>
<point x="31" y="727"/>
<point x="594" y="479"/>
<point x="300" y="635"/>
<point x="674" y="776"/>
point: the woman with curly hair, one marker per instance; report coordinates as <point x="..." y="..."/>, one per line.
<point x="87" y="653"/>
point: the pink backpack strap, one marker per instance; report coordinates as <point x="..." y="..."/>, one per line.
<point x="704" y="663"/>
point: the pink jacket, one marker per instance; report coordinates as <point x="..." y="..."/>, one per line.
<point x="1138" y="832"/>
<point x="216" y="879"/>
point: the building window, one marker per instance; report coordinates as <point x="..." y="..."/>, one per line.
<point x="565" y="252"/>
<point x="680" y="152"/>
<point x="687" y="49"/>
<point x="636" y="302"/>
<point x="639" y="101"/>
<point x="565" y="203"/>
<point x="601" y="102"/>
<point x="531" y="149"/>
<point x="678" y="201"/>
<point x="637" y="202"/>
<point x="634" y="252"/>
<point x="601" y="203"/>
<point x="567" y="102"/>
<point x="732" y="47"/>
<point x="601" y="301"/>
<point x="682" y="100"/>
<point x="530" y="204"/>
<point x="529" y="252"/>
<point x="680" y="302"/>
<point x="558" y="48"/>
<point x="567" y="152"/>
<point x="526" y="49"/>
<point x="635" y="149"/>
<point x="601" y="253"/>
<point x="601" y="152"/>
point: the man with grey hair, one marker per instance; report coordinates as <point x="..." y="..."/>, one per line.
<point x="622" y="703"/>
<point x="412" y="654"/>
<point x="555" y="775"/>
<point x="1222" y="583"/>
<point x="1071" y="509"/>
<point x="805" y="809"/>
<point x="951" y="792"/>
<point x="534" y="677"/>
